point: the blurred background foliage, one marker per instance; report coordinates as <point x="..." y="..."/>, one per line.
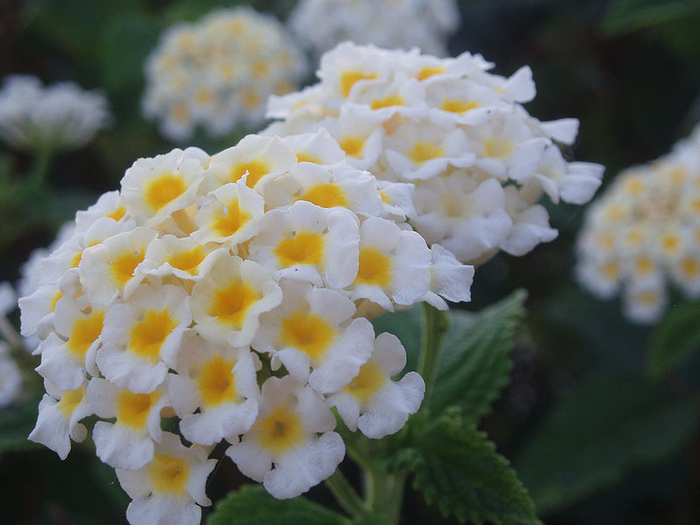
<point x="601" y="416"/>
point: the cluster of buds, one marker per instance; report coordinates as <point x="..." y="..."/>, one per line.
<point x="56" y="118"/>
<point x="217" y="73"/>
<point x="227" y="298"/>
<point x="479" y="162"/>
<point x="644" y="232"/>
<point x="320" y="25"/>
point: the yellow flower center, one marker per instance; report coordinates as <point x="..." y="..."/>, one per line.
<point x="375" y="267"/>
<point x="303" y="248"/>
<point x="458" y="106"/>
<point x="231" y="219"/>
<point x="367" y="383"/>
<point x="231" y="304"/>
<point x="308" y="333"/>
<point x="388" y="101"/>
<point x="325" y="195"/>
<point x="256" y="170"/>
<point x="352" y="146"/>
<point x="216" y="382"/>
<point x="280" y="431"/>
<point x="123" y="265"/>
<point x="349" y="78"/>
<point x="149" y="334"/>
<point x="425" y="151"/>
<point x="168" y="475"/>
<point x="163" y="190"/>
<point x="70" y="401"/>
<point x="84" y="332"/>
<point x="133" y="409"/>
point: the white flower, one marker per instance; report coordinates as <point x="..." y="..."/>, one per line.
<point x="286" y="435"/>
<point x="313" y="327"/>
<point x="321" y="24"/>
<point x="456" y="131"/>
<point x="643" y="234"/>
<point x="217" y="73"/>
<point x="60" y="413"/>
<point x="168" y="489"/>
<point x="372" y="401"/>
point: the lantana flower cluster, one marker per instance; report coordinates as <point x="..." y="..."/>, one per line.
<point x="643" y="234"/>
<point x="320" y="25"/>
<point x="218" y="72"/>
<point x="479" y="162"/>
<point x="55" y="118"/>
<point x="228" y="298"/>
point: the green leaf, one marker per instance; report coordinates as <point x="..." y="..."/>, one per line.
<point x="16" y="422"/>
<point x="626" y="16"/>
<point x="253" y="505"/>
<point x="597" y="432"/>
<point x="457" y="468"/>
<point x="476" y="362"/>
<point x="675" y="339"/>
<point x="408" y="327"/>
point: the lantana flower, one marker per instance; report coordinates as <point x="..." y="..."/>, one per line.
<point x="642" y="236"/>
<point x="55" y="118"/>
<point x="479" y="162"/>
<point x="216" y="73"/>
<point x="233" y="294"/>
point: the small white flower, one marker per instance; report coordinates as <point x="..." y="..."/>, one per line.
<point x="286" y="435"/>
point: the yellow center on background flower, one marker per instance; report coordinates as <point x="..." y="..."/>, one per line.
<point x="117" y="214"/>
<point x="352" y="146"/>
<point x="163" y="190"/>
<point x="303" y="248"/>
<point x="375" y="267"/>
<point x="366" y="384"/>
<point x="168" y="475"/>
<point x="124" y="264"/>
<point x="307" y="157"/>
<point x="84" y="332"/>
<point x="325" y="195"/>
<point x="611" y="270"/>
<point x="458" y="106"/>
<point x="133" y="409"/>
<point x="70" y="401"/>
<point x="216" y="382"/>
<point x="498" y="149"/>
<point x="280" y="431"/>
<point x="231" y="304"/>
<point x="644" y="265"/>
<point x="430" y="71"/>
<point x="230" y="220"/>
<point x="187" y="260"/>
<point x="308" y="333"/>
<point x="149" y="334"/>
<point x="349" y="78"/>
<point x="690" y="266"/>
<point x="256" y="169"/>
<point x="424" y="151"/>
<point x="388" y="101"/>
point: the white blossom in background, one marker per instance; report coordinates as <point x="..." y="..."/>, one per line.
<point x="479" y="164"/>
<point x="218" y="72"/>
<point x="320" y="25"/>
<point x="54" y="118"/>
<point x="179" y="295"/>
<point x="642" y="236"/>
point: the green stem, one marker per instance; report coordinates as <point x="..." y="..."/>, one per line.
<point x="345" y="494"/>
<point x="385" y="494"/>
<point x="436" y="324"/>
<point x="40" y="166"/>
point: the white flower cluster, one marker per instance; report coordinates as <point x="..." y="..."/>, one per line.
<point x="232" y="293"/>
<point x="217" y="73"/>
<point x="322" y="24"/>
<point x="478" y="160"/>
<point x="644" y="233"/>
<point x="59" y="117"/>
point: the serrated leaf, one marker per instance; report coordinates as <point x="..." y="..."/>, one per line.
<point x="16" y="422"/>
<point x="675" y="339"/>
<point x="253" y="505"/>
<point x="597" y="432"/>
<point x="626" y="16"/>
<point x="476" y="362"/>
<point x="408" y="327"/>
<point x="458" y="469"/>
